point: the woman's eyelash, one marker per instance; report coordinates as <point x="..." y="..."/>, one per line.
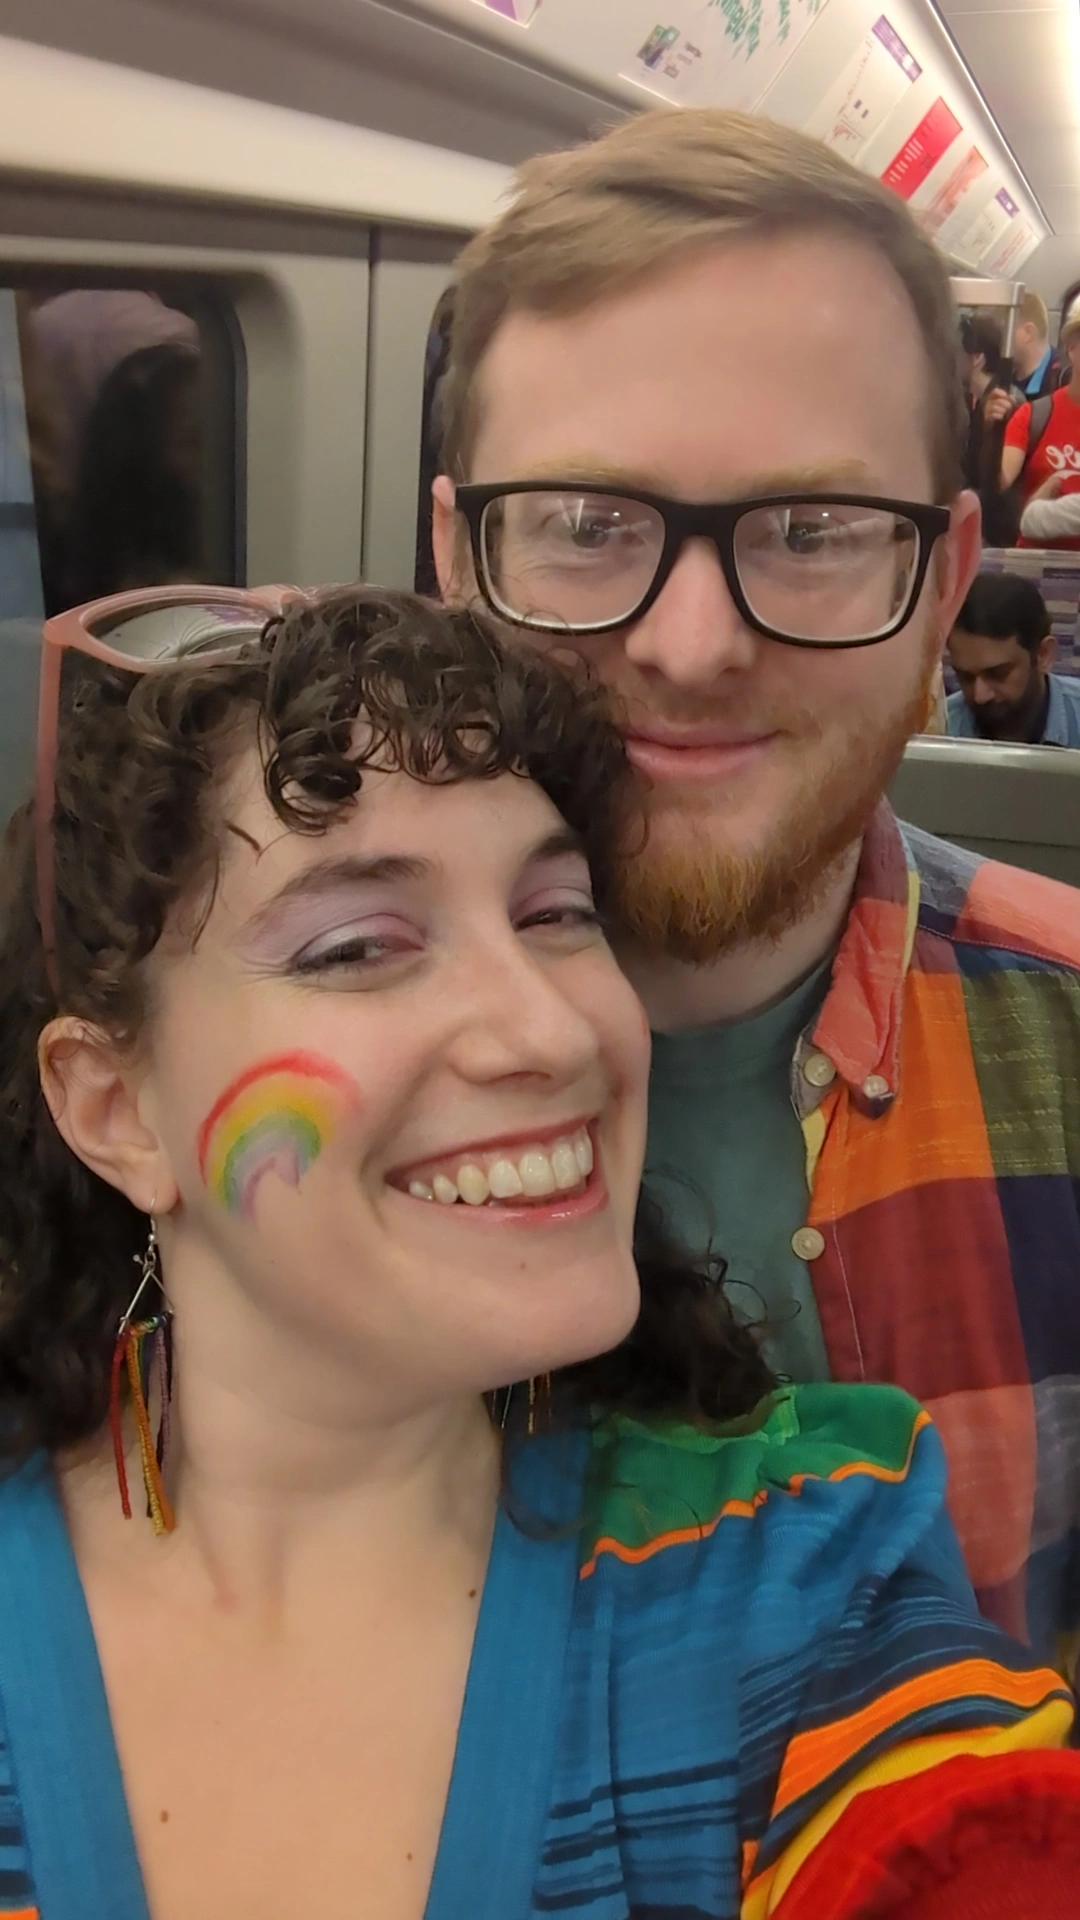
<point x="354" y="950"/>
<point x="580" y="915"/>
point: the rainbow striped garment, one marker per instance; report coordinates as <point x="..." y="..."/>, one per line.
<point x="672" y="1696"/>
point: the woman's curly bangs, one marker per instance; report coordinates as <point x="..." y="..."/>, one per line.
<point x="438" y="697"/>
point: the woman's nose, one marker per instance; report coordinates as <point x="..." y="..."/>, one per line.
<point x="518" y="1020"/>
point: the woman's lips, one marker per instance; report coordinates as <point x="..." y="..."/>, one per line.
<point x="665" y="759"/>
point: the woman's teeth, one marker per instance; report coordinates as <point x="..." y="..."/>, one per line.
<point x="533" y="1175"/>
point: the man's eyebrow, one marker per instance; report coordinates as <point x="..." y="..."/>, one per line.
<point x="839" y="476"/>
<point x="330" y="876"/>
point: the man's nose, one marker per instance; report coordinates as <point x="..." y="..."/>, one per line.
<point x="985" y="694"/>
<point x="694" y="632"/>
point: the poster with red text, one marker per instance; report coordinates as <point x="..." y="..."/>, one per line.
<point x="941" y="216"/>
<point x="921" y="152"/>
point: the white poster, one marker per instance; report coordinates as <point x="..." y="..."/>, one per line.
<point x="1012" y="250"/>
<point x="871" y="86"/>
<point x="987" y="228"/>
<point x="719" y="53"/>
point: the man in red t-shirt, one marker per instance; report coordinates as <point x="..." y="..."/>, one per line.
<point x="1056" y="452"/>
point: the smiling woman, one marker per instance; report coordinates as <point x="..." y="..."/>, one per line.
<point x="503" y="1577"/>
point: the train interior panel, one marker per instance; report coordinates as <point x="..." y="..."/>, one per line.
<point x="228" y="233"/>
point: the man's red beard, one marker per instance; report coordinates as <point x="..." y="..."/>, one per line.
<point x="681" y="895"/>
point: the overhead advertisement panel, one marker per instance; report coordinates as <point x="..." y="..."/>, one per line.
<point x="877" y="80"/>
<point x="718" y="53"/>
<point x="895" y="108"/>
<point x="872" y="84"/>
<point x="909" y="169"/>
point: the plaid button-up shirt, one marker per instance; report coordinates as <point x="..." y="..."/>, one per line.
<point x="943" y="1161"/>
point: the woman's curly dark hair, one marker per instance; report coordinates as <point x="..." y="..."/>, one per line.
<point x="140" y="819"/>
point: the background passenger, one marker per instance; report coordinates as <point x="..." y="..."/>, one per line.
<point x="840" y="1006"/>
<point x="1001" y="650"/>
<point x="1036" y="365"/>
<point x="79" y="336"/>
<point x="986" y="380"/>
<point x="135" y="514"/>
<point x="1033" y="456"/>
<point x="333" y="1048"/>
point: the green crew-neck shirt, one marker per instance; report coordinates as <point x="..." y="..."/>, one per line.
<point x="726" y="1160"/>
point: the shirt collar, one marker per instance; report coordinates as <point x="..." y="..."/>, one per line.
<point x="1056" y="731"/>
<point x="1035" y="380"/>
<point x="858" y="1029"/>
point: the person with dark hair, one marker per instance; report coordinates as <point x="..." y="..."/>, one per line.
<point x="1001" y="649"/>
<point x="485" y="1569"/>
<point x="135" y="510"/>
<point x="991" y="397"/>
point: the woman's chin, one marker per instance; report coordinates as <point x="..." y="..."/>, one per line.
<point x="594" y="1319"/>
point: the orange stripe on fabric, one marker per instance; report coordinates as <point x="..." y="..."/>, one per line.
<point x="813" y="1757"/>
<point x="1048" y="1727"/>
<point x="746" y="1509"/>
<point x="937" y="1128"/>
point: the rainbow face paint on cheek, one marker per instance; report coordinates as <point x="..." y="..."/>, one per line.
<point x="274" y="1118"/>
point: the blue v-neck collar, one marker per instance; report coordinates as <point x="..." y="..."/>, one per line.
<point x="52" y="1695"/>
<point x="67" y="1770"/>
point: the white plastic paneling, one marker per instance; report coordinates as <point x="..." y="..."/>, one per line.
<point x="63" y="115"/>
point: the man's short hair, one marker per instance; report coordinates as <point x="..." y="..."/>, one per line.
<point x="1004" y="606"/>
<point x="1033" y="308"/>
<point x="588" y="223"/>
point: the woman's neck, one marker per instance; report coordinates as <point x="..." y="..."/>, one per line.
<point x="288" y="1470"/>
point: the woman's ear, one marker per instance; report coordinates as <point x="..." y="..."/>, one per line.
<point x="95" y="1098"/>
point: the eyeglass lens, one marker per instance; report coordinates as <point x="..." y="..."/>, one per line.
<point x="817" y="570"/>
<point x="169" y="632"/>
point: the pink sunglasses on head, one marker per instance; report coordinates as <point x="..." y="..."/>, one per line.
<point x="151" y="627"/>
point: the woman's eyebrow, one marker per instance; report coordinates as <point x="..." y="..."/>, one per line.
<point x="561" y="840"/>
<point x="331" y="876"/>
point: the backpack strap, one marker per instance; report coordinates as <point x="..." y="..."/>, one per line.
<point x="1039" y="421"/>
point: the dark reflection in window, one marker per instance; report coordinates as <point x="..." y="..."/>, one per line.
<point x="438" y="353"/>
<point x="117" y="405"/>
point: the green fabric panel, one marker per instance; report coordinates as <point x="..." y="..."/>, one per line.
<point x="1025" y="1037"/>
<point x="647" y="1481"/>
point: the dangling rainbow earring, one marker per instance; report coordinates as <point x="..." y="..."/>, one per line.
<point x="144" y="1351"/>
<point x="539" y="1405"/>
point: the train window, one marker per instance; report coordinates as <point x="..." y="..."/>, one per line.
<point x="20" y="570"/>
<point x="130" y="402"/>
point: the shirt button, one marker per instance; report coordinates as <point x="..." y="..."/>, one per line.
<point x="818" y="1069"/>
<point x="875" y="1088"/>
<point x="808" y="1243"/>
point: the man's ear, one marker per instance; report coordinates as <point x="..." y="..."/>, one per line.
<point x="94" y="1096"/>
<point x="1046" y="652"/>
<point x="958" y="559"/>
<point x="453" y="562"/>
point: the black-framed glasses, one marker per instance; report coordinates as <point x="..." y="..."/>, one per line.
<point x="811" y="570"/>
